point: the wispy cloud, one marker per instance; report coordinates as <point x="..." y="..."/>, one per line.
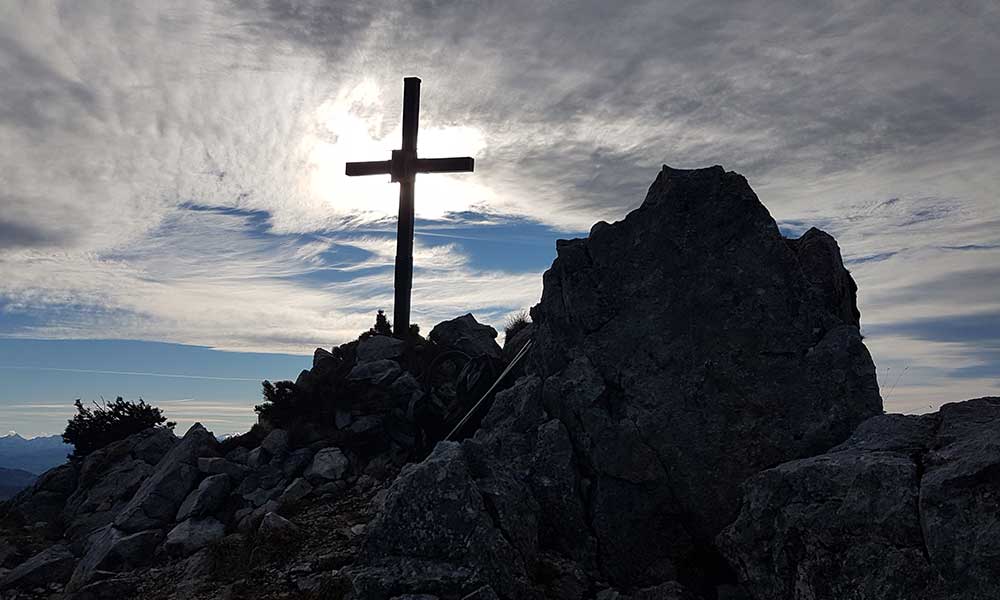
<point x="174" y="170"/>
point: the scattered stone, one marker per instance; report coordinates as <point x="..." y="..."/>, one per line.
<point x="276" y="442"/>
<point x="296" y="462"/>
<point x="296" y="490"/>
<point x="274" y="526"/>
<point x="206" y="499"/>
<point x="329" y="464"/>
<point x="192" y="535"/>
<point x="257" y="457"/>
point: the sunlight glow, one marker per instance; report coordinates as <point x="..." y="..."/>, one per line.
<point x="351" y="128"/>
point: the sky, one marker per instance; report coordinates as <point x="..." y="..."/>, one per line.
<point x="175" y="223"/>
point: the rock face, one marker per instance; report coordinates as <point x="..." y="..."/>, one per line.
<point x="110" y="476"/>
<point x="909" y="507"/>
<point x="155" y="503"/>
<point x="677" y="353"/>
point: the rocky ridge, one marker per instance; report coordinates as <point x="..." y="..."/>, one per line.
<point x="698" y="419"/>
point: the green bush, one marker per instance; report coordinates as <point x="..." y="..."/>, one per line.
<point x="94" y="428"/>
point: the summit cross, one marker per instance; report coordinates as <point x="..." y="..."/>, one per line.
<point x="403" y="167"/>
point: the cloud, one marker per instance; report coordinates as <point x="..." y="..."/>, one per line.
<point x="174" y="170"/>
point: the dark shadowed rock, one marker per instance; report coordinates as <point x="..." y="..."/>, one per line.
<point x="379" y="372"/>
<point x="329" y="464"/>
<point x="156" y="502"/>
<point x="44" y="500"/>
<point x="435" y="510"/>
<point x="906" y="508"/>
<point x="676" y="353"/>
<point x="109" y="549"/>
<point x="380" y="347"/>
<point x="216" y="465"/>
<point x="960" y="497"/>
<point x="110" y="476"/>
<point x="686" y="330"/>
<point x="52" y="565"/>
<point x="192" y="535"/>
<point x="205" y="499"/>
<point x="467" y="335"/>
<point x="276" y="442"/>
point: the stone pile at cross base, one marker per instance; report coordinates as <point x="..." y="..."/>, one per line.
<point x="697" y="418"/>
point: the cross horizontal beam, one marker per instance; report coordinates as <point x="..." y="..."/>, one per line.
<point x="463" y="164"/>
<point x="373" y="167"/>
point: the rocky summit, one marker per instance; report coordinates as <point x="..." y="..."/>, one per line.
<point x="697" y="418"/>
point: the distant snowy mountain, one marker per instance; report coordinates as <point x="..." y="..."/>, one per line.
<point x="34" y="455"/>
<point x="13" y="481"/>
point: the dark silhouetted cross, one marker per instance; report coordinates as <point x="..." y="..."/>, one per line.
<point x="403" y="168"/>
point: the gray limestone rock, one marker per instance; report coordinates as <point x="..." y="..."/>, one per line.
<point x="690" y="328"/>
<point x="906" y="508"/>
<point x="205" y="499"/>
<point x="661" y="343"/>
<point x="192" y="535"/>
<point x="156" y="502"/>
<point x="52" y="565"/>
<point x="110" y="549"/>
<point x="329" y="464"/>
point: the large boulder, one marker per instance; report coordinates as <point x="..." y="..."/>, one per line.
<point x="157" y="500"/>
<point x="110" y="549"/>
<point x="52" y="565"/>
<point x="329" y="464"/>
<point x="189" y="536"/>
<point x="44" y="500"/>
<point x="437" y="515"/>
<point x="676" y="353"/>
<point x="205" y="499"/>
<point x="687" y="330"/>
<point x="380" y="347"/>
<point x="467" y="335"/>
<point x="907" y="508"/>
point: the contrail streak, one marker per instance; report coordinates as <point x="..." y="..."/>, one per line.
<point x="141" y="373"/>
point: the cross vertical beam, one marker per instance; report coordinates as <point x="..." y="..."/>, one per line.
<point x="403" y="280"/>
<point x="403" y="168"/>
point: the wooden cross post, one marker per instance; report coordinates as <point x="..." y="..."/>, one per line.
<point x="403" y="168"/>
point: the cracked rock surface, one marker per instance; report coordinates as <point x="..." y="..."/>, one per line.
<point x="908" y="507"/>
<point x="677" y="352"/>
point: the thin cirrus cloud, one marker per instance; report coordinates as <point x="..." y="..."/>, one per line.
<point x="174" y="170"/>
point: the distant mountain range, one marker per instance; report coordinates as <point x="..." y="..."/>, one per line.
<point x="34" y="455"/>
<point x="13" y="481"/>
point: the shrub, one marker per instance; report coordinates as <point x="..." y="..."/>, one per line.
<point x="280" y="402"/>
<point x="94" y="428"/>
<point x="382" y="326"/>
<point x="515" y="323"/>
